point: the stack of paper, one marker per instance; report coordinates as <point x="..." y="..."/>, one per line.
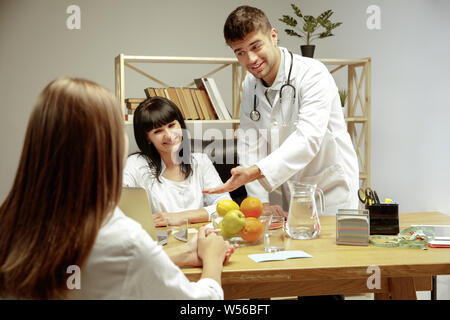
<point x="352" y="230"/>
<point x="280" y="255"/>
<point x="441" y="235"/>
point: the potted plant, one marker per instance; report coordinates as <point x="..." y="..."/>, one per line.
<point x="312" y="29"/>
<point x="343" y="96"/>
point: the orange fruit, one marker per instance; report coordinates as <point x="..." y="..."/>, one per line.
<point x="251" y="207"/>
<point x="252" y="230"/>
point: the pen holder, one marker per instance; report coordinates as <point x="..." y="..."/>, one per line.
<point x="352" y="227"/>
<point x="383" y="218"/>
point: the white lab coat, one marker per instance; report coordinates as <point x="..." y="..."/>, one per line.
<point x="315" y="147"/>
<point x="126" y="263"/>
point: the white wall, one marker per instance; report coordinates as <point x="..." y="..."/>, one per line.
<point x="410" y="80"/>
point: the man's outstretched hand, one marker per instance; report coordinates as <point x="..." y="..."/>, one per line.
<point x="239" y="177"/>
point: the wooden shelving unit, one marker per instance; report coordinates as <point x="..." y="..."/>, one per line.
<point x="358" y="94"/>
<point x="358" y="108"/>
<point x="238" y="75"/>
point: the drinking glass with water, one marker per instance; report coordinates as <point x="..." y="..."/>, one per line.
<point x="274" y="233"/>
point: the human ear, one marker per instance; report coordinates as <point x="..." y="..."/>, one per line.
<point x="274" y="36"/>
<point x="148" y="138"/>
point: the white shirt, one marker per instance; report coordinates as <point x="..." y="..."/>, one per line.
<point x="172" y="196"/>
<point x="126" y="263"/>
<point x="314" y="148"/>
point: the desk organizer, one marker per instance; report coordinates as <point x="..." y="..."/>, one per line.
<point x="383" y="218"/>
<point x="352" y="227"/>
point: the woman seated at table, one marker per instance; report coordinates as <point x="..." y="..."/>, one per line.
<point x="61" y="213"/>
<point x="173" y="177"/>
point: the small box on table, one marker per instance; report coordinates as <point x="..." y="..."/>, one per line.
<point x="383" y="218"/>
<point x="352" y="227"/>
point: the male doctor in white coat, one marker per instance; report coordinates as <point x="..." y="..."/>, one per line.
<point x="301" y="136"/>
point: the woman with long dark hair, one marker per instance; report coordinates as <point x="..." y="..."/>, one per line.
<point x="61" y="214"/>
<point x="173" y="177"/>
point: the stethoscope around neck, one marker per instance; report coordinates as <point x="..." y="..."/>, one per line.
<point x="255" y="115"/>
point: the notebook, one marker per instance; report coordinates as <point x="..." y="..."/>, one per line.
<point x="441" y="235"/>
<point x="134" y="204"/>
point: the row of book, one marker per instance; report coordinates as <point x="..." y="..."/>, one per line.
<point x="201" y="103"/>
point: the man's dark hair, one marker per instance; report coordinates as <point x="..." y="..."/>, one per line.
<point x="244" y="20"/>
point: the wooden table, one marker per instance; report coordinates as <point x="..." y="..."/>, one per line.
<point x="336" y="269"/>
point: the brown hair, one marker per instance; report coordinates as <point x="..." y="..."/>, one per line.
<point x="69" y="178"/>
<point x="244" y="20"/>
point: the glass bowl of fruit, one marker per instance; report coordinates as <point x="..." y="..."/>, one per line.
<point x="240" y="224"/>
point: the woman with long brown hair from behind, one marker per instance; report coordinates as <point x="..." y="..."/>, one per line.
<point x="61" y="211"/>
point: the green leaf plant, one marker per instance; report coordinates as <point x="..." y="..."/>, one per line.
<point x="310" y="30"/>
<point x="343" y="96"/>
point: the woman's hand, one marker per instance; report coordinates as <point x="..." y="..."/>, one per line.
<point x="276" y="210"/>
<point x="162" y="219"/>
<point x="187" y="255"/>
<point x="190" y="255"/>
<point x="159" y="219"/>
<point x="231" y="247"/>
<point x="211" y="247"/>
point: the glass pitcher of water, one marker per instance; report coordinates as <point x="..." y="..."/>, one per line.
<point x="303" y="219"/>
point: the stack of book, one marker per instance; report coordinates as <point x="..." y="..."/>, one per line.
<point x="201" y="103"/>
<point x="210" y="87"/>
<point x="193" y="103"/>
<point x="131" y="105"/>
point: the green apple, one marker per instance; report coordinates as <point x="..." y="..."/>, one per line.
<point x="227" y="235"/>
<point x="223" y="233"/>
<point x="233" y="222"/>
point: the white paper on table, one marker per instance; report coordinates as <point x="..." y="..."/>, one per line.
<point x="280" y="255"/>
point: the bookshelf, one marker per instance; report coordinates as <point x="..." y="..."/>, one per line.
<point x="357" y="113"/>
<point x="238" y="74"/>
